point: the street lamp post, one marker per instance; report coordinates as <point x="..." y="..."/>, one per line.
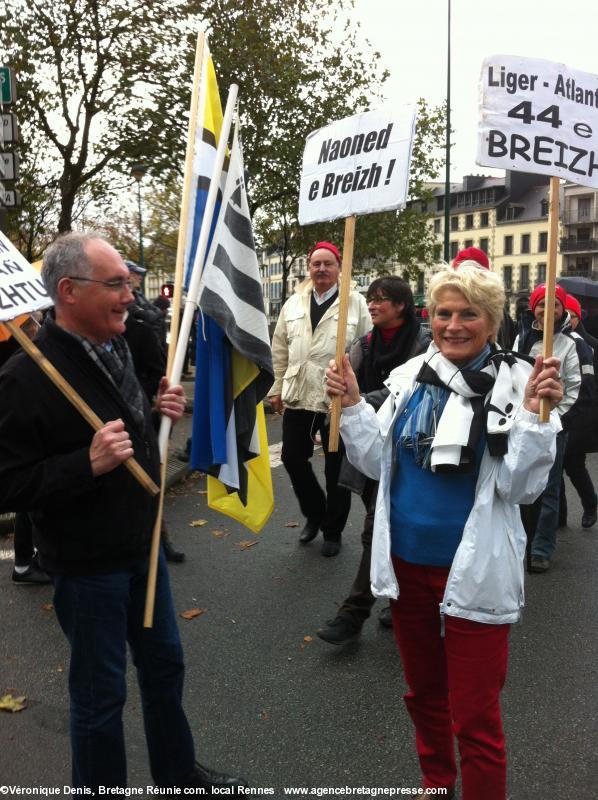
<point x="137" y="172"/>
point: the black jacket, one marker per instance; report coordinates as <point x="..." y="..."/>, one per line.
<point x="81" y="524"/>
<point x="148" y="358"/>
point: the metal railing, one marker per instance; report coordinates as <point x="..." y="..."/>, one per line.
<point x="578" y="245"/>
<point x="570" y="217"/>
<point x="580" y="273"/>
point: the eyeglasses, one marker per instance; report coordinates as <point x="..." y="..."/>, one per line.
<point x="117" y="285"/>
<point x="377" y="301"/>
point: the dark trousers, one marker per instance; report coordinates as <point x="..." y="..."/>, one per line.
<point x="574" y="465"/>
<point x="358" y="604"/>
<point x="332" y="507"/>
<point x="99" y="614"/>
<point x="23" y="541"/>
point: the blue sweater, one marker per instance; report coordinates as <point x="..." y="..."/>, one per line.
<point x="428" y="510"/>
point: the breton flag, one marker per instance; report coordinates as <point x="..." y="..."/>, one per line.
<point x="207" y="134"/>
<point x="234" y="365"/>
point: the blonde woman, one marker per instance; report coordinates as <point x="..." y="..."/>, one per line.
<point x="456" y="446"/>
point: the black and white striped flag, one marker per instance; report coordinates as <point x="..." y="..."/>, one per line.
<point x="231" y="296"/>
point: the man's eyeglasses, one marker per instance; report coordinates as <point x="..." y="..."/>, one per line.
<point x="117" y="285"/>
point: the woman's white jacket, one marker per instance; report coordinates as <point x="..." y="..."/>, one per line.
<point x="485" y="582"/>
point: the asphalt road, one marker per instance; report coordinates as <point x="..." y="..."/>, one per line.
<point x="267" y="699"/>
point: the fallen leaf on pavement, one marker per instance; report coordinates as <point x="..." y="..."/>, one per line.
<point x="48" y="607"/>
<point x="246" y="543"/>
<point x="202" y="491"/>
<point x="197" y="523"/>
<point x="218" y="534"/>
<point x="263" y="715"/>
<point x="10" y="703"/>
<point x="291" y="524"/>
<point x="308" y="638"/>
<point x="192" y="612"/>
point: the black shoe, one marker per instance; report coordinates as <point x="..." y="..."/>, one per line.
<point x="330" y="548"/>
<point x="172" y="555"/>
<point x="32" y="575"/>
<point x="310" y="531"/>
<point x="206" y="778"/>
<point x="385" y="617"/>
<point x="589" y="518"/>
<point x="340" y="630"/>
<point x="540" y="564"/>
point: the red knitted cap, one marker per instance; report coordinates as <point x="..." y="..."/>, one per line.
<point x="326" y="246"/>
<point x="471" y="254"/>
<point x="573" y="305"/>
<point x="539" y="293"/>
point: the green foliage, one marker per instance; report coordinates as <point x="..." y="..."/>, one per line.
<point x="92" y="78"/>
<point x="104" y="84"/>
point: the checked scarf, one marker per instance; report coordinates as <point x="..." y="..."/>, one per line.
<point x="116" y="362"/>
<point x="461" y="404"/>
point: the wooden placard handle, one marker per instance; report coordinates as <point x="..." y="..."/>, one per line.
<point x="553" y="230"/>
<point x="341" y="331"/>
<point x="152" y="575"/>
<point x="71" y="395"/>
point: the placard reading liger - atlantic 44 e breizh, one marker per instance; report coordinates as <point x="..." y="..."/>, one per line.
<point x="538" y="116"/>
<point x="357" y="165"/>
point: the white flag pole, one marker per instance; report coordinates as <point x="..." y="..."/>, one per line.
<point x="200" y="255"/>
<point x="186" y="198"/>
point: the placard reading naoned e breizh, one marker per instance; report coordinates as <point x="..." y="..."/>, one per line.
<point x="357" y="165"/>
<point x="21" y="288"/>
<point x="538" y="116"/>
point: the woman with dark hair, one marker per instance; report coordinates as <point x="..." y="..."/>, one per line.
<point x="456" y="446"/>
<point x="395" y="338"/>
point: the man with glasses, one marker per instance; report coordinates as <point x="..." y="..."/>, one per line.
<point x="304" y="342"/>
<point x="93" y="522"/>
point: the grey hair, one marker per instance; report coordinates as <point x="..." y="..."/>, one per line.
<point x="66" y="257"/>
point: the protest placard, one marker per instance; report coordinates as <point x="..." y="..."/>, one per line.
<point x="538" y="116"/>
<point x="357" y="165"/>
<point x="21" y="288"/>
<point x="21" y="292"/>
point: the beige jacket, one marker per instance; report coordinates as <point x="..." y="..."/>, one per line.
<point x="300" y="357"/>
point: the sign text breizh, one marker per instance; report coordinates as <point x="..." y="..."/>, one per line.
<point x="357" y="165"/>
<point x="21" y="288"/>
<point x="538" y="116"/>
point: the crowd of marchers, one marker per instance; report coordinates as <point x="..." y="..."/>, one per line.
<point x="441" y="436"/>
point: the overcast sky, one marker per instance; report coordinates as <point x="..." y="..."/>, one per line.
<point x="411" y="36"/>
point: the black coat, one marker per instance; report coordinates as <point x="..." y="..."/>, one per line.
<point x="148" y="358"/>
<point x="81" y="524"/>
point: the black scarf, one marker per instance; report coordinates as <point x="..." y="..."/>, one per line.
<point x="382" y="358"/>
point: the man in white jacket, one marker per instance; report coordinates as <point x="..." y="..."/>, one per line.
<point x="304" y="341"/>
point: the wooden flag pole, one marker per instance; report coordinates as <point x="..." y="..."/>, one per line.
<point x="185" y="202"/>
<point x="341" y="331"/>
<point x="553" y="230"/>
<point x="71" y="395"/>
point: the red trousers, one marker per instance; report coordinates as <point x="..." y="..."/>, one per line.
<point x="454" y="685"/>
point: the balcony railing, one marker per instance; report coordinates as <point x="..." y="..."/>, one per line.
<point x="579" y="245"/>
<point x="580" y="273"/>
<point x="577" y="217"/>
